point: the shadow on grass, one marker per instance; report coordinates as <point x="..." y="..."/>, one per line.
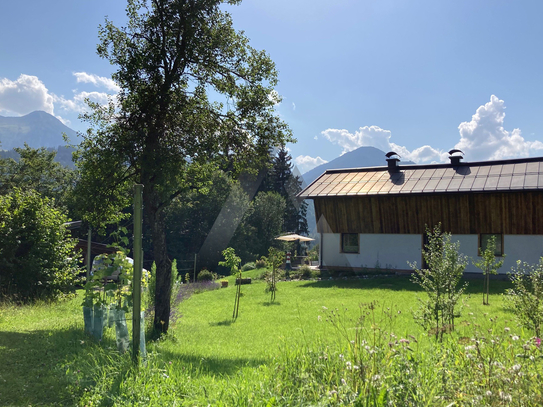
<point x="270" y="303"/>
<point x="404" y="283"/>
<point x="33" y="368"/>
<point x="226" y="322"/>
<point x="214" y="365"/>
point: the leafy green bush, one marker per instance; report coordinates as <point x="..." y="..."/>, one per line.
<point x="305" y="272"/>
<point x="205" y="275"/>
<point x="260" y="264"/>
<point x="37" y="255"/>
<point x="526" y="296"/>
<point x="248" y="266"/>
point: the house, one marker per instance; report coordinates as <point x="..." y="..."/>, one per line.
<point x="377" y="217"/>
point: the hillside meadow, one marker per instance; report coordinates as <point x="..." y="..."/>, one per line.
<point x="327" y="342"/>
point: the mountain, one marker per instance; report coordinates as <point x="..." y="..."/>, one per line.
<point x="37" y="129"/>
<point x="361" y="157"/>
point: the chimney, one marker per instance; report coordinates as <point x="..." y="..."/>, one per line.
<point x="455" y="157"/>
<point x="392" y="162"/>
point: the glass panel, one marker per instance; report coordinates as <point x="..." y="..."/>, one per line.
<point x="485" y="238"/>
<point x="349" y="242"/>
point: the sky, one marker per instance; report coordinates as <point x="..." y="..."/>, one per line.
<point x="418" y="77"/>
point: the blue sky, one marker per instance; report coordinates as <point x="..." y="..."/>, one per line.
<point x="419" y="77"/>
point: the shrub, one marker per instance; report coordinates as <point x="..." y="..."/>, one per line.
<point x="307" y="272"/>
<point x="445" y="269"/>
<point x="248" y="266"/>
<point x="37" y="256"/>
<point x="205" y="275"/>
<point x="260" y="264"/>
<point x="526" y="297"/>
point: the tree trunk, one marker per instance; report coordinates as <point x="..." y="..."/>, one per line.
<point x="156" y="224"/>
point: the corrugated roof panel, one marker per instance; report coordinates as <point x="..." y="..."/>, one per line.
<point x="367" y="176"/>
<point x="517" y="182"/>
<point x="540" y="168"/>
<point x="478" y="184"/>
<point x="474" y="171"/>
<point x="376" y="176"/>
<point x="359" y="176"/>
<point x="347" y="186"/>
<point x="491" y="183"/>
<point x="341" y="177"/>
<point x="530" y="181"/>
<point x="540" y="181"/>
<point x="407" y="187"/>
<point x="376" y="187"/>
<point x="439" y="172"/>
<point x="449" y="173"/>
<point x="505" y="181"/>
<point x="387" y="187"/>
<point x="532" y="167"/>
<point x="507" y="169"/>
<point x="419" y="186"/>
<point x="467" y="183"/>
<point x="443" y="184"/>
<point x="349" y="177"/>
<point x="454" y="184"/>
<point x="483" y="171"/>
<point x="317" y="189"/>
<point x="431" y="185"/>
<point x="495" y="169"/>
<point x="428" y="173"/>
<point x="337" y="187"/>
<point x="520" y="168"/>
<point x="365" y="187"/>
<point x="327" y="189"/>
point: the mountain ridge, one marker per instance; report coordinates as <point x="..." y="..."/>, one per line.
<point x="37" y="129"/>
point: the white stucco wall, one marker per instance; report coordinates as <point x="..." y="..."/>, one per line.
<point x="395" y="250"/>
<point x="387" y="250"/>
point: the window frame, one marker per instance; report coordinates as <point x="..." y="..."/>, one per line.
<point x="342" y="250"/>
<point x="499" y="238"/>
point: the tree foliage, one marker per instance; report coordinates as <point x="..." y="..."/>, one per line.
<point x="37" y="257"/>
<point x="165" y="131"/>
<point x="440" y="282"/>
<point x="488" y="264"/>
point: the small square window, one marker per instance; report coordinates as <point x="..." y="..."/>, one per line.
<point x="350" y="243"/>
<point x="484" y="239"/>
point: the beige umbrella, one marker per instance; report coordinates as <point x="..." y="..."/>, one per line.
<point x="293" y="237"/>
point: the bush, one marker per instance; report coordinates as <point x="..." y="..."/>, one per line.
<point x="526" y="296"/>
<point x="205" y="275"/>
<point x="37" y="256"/>
<point x="248" y="266"/>
<point x="260" y="264"/>
<point x="305" y="272"/>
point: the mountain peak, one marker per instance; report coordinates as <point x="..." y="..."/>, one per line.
<point x="37" y="129"/>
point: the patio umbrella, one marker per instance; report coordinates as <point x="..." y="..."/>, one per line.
<point x="293" y="237"/>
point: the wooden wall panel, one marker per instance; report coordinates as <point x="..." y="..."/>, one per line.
<point x="466" y="213"/>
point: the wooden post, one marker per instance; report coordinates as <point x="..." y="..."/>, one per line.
<point x="195" y="258"/>
<point x="138" y="262"/>
<point x="89" y="257"/>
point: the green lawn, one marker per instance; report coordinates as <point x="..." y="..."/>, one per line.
<point x="210" y="359"/>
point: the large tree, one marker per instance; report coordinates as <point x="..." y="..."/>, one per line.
<point x="175" y="60"/>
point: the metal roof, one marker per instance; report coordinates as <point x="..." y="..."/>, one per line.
<point x="483" y="176"/>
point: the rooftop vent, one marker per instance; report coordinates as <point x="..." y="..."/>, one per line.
<point x="393" y="160"/>
<point x="455" y="156"/>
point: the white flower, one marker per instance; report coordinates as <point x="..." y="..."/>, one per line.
<point x="348" y="365"/>
<point x="515" y="338"/>
<point x="506" y="329"/>
<point x="488" y="393"/>
<point x="343" y="382"/>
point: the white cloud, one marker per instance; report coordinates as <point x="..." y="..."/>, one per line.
<point x="293" y="106"/>
<point x="306" y="163"/>
<point x="78" y="102"/>
<point x="98" y="81"/>
<point x="275" y="98"/>
<point x="484" y="137"/>
<point x="25" y="95"/>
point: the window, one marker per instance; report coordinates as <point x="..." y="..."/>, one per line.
<point x="484" y="238"/>
<point x="350" y="243"/>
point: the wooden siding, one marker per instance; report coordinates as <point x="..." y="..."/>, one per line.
<point x="512" y="213"/>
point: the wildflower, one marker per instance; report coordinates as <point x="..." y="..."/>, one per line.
<point x="537" y="342"/>
<point x="343" y="382"/>
<point x="470" y="347"/>
<point x="404" y="341"/>
<point x="488" y="393"/>
<point x="349" y="364"/>
<point x="506" y="329"/>
<point x="516" y="367"/>
<point x="515" y="338"/>
<point x="355" y="367"/>
<point x="341" y="356"/>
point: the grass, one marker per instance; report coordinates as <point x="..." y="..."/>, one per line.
<point x="269" y="355"/>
